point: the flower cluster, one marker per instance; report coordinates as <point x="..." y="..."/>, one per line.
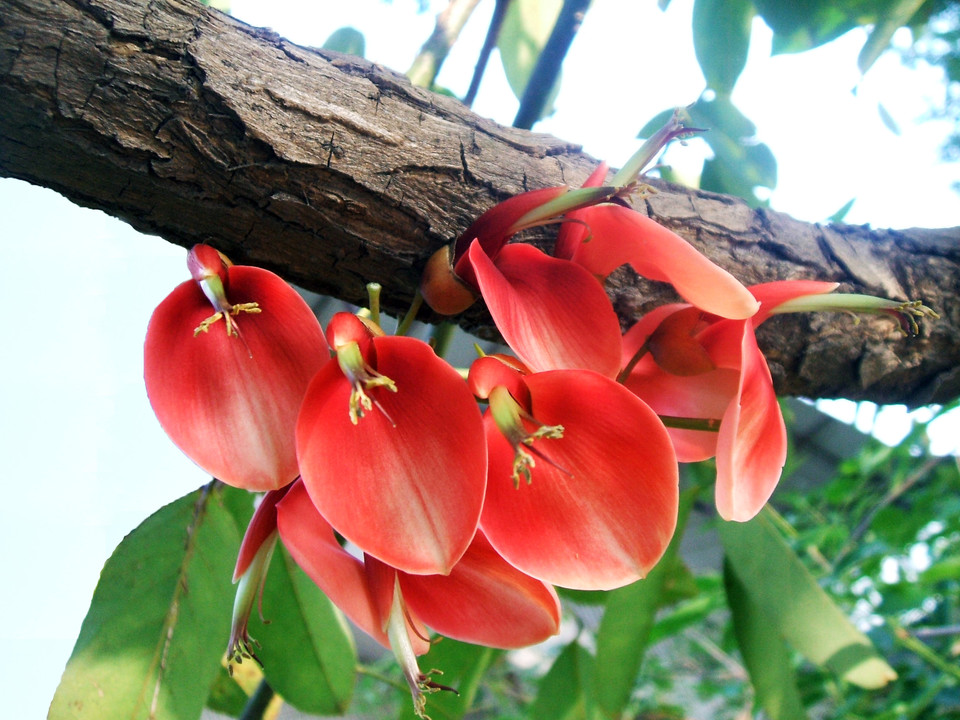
<point x="412" y="509"/>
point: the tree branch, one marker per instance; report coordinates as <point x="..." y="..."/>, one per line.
<point x="334" y="172"/>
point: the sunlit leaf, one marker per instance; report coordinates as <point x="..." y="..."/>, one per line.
<point x="525" y="31"/>
<point x="346" y="40"/>
<point x="151" y="643"/>
<point x="840" y="214"/>
<point x="721" y="39"/>
<point x="882" y="32"/>
<point x="765" y="654"/>
<point x="221" y="5"/>
<point x="796" y="606"/>
<point x="888" y="120"/>
<point x="624" y="632"/>
<point x="306" y="648"/>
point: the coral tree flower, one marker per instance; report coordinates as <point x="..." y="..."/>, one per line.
<point x="227" y="359"/>
<point x="391" y="449"/>
<point x="538" y="303"/>
<point x="694" y="365"/>
<point x="582" y="486"/>
<point x="483" y="599"/>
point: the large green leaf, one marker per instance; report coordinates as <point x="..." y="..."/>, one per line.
<point x="796" y="607"/>
<point x="721" y="39"/>
<point x="306" y="648"/>
<point x="765" y="654"/>
<point x="624" y="632"/>
<point x="525" y="31"/>
<point x="151" y="643"/>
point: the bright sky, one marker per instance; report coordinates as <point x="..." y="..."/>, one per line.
<point x="83" y="457"/>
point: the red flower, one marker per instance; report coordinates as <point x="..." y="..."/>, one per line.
<point x="391" y="449"/>
<point x="483" y="600"/>
<point x="582" y="484"/>
<point x="698" y="366"/>
<point x="226" y="386"/>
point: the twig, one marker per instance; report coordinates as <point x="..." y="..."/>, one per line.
<point x="493" y="32"/>
<point x="545" y="72"/>
<point x="426" y="65"/>
<point x="258" y="702"/>
<point x="916" y="476"/>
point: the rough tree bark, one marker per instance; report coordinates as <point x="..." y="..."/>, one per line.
<point x="334" y="172"/>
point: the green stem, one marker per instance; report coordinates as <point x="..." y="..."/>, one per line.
<point x="685" y="423"/>
<point x="922" y="650"/>
<point x="628" y="368"/>
<point x="373" y="293"/>
<point x="404" y="327"/>
<point x="442" y="337"/>
<point x="257" y="704"/>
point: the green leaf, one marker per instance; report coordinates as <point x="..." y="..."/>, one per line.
<point x="765" y="654"/>
<point x="226" y="696"/>
<point x="624" y="632"/>
<point x="792" y="602"/>
<point x="740" y="164"/>
<point x="804" y="24"/>
<point x="560" y="694"/>
<point x="721" y="39"/>
<point x="689" y="613"/>
<point x="152" y="641"/>
<point x="463" y="666"/>
<point x="221" y="5"/>
<point x="525" y="31"/>
<point x="347" y="40"/>
<point x="946" y="569"/>
<point x="306" y="648"/>
<point x="840" y="214"/>
<point x="881" y="34"/>
<point x="887" y="119"/>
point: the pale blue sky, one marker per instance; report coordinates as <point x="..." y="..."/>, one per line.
<point x="82" y="457"/>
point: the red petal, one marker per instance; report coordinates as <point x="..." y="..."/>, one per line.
<point x="262" y="525"/>
<point x="231" y="403"/>
<point x="493" y="228"/>
<point x="752" y="444"/>
<point x="314" y="547"/>
<point x="704" y="396"/>
<point x="552" y="313"/>
<point x="409" y="494"/>
<point x="619" y="235"/>
<point x="606" y="517"/>
<point x="485" y="601"/>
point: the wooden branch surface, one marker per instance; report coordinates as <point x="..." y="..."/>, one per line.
<point x="334" y="172"/>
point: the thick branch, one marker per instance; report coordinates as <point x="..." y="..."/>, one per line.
<point x="335" y="172"/>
